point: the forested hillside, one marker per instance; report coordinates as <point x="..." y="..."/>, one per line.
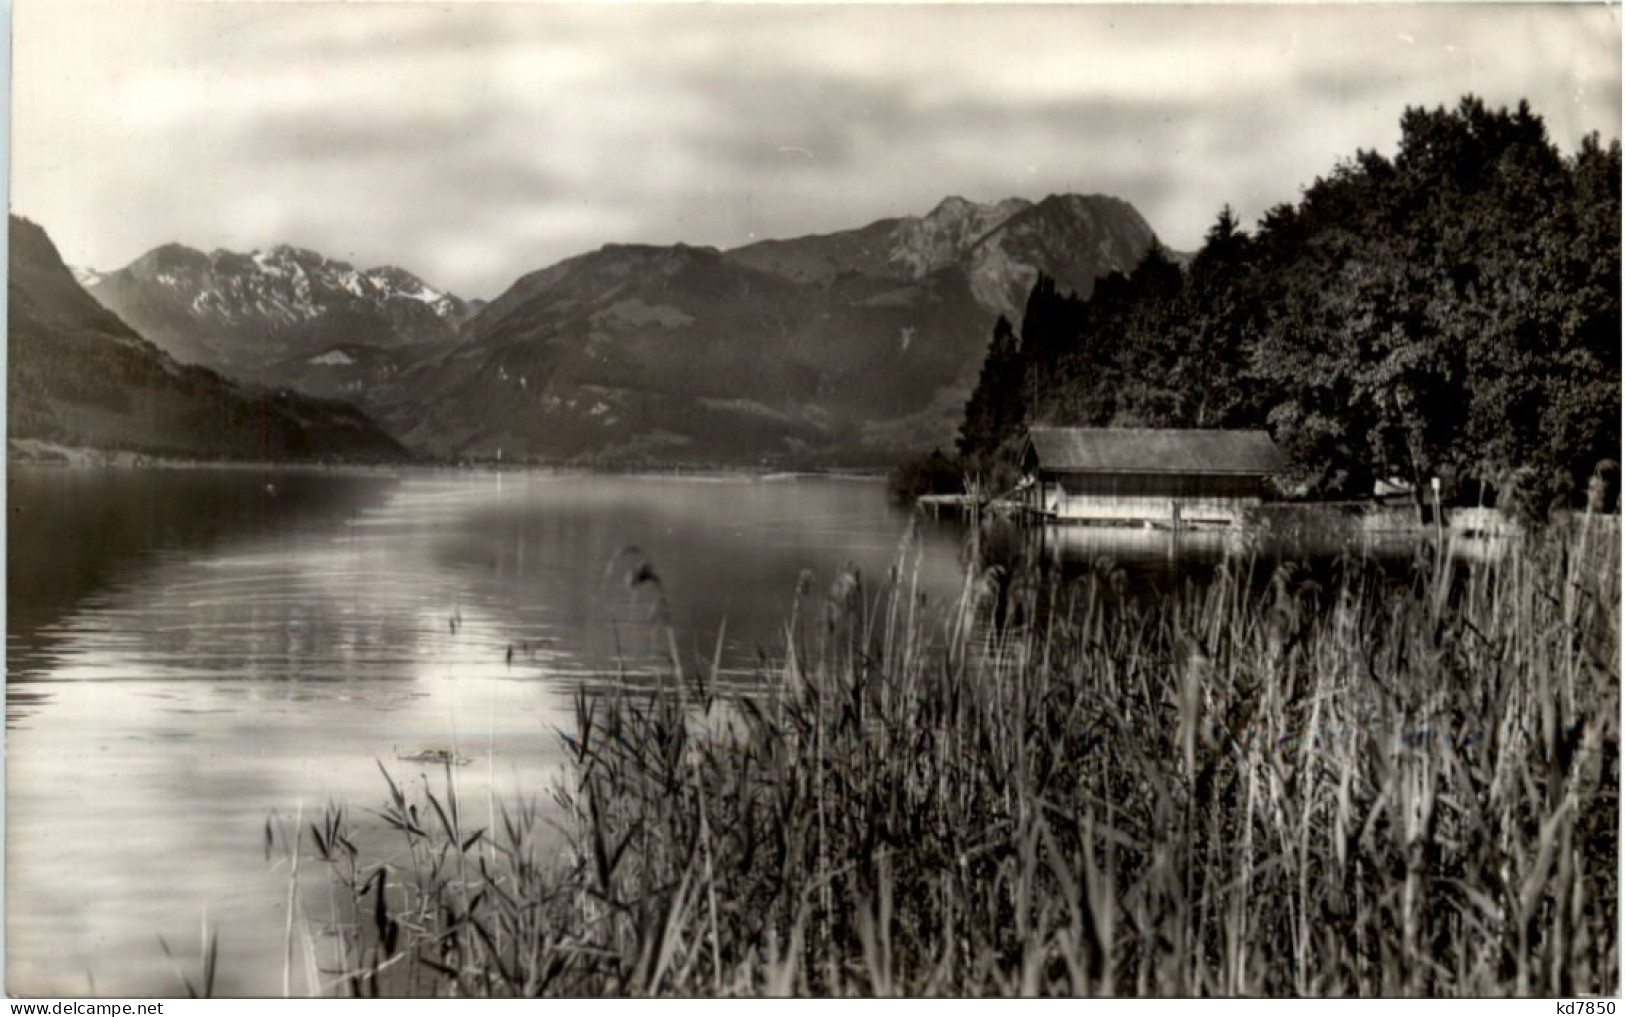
<point x="1450" y="311"/>
<point x="851" y="348"/>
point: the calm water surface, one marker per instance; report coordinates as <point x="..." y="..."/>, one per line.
<point x="191" y="651"/>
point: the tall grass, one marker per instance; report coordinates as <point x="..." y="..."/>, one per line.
<point x="1281" y="787"/>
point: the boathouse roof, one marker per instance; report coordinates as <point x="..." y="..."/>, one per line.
<point x="1150" y="450"/>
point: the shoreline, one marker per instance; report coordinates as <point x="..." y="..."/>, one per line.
<point x="34" y="452"/>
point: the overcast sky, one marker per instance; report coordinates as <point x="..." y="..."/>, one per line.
<point x="473" y="143"/>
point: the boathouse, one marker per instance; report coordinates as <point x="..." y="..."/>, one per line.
<point x="1145" y="475"/>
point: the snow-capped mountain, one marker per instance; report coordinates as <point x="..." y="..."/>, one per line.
<point x="79" y="376"/>
<point x="844" y="347"/>
<point x="389" y="282"/>
<point x="244" y="313"/>
<point x="86" y="277"/>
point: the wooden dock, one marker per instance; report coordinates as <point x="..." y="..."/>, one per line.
<point x="968" y="504"/>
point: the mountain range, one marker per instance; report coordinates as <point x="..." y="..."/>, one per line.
<point x="78" y="376"/>
<point x="265" y="316"/>
<point x="1000" y="246"/>
<point x="849" y="347"/>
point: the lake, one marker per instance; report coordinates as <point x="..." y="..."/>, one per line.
<point x="191" y="651"/>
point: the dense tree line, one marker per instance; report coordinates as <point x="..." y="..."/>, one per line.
<point x="1452" y="311"/>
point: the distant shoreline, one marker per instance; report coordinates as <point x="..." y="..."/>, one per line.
<point x="33" y="452"/>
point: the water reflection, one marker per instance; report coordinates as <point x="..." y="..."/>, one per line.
<point x="84" y="535"/>
<point x="224" y="644"/>
<point x="192" y="650"/>
<point x="1156" y="562"/>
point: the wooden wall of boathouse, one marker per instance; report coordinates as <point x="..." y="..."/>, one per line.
<point x="1164" y="499"/>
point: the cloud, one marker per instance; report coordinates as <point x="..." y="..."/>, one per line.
<point x="475" y="142"/>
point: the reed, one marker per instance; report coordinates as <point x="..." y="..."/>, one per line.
<point x="1362" y="786"/>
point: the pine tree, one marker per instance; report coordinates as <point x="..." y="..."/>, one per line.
<point x="997" y="410"/>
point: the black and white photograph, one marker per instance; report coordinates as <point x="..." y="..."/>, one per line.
<point x="704" y="500"/>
